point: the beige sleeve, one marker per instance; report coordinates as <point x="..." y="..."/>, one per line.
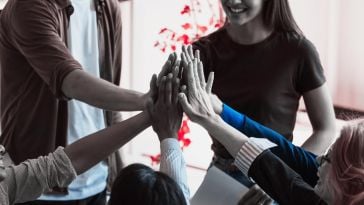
<point x="28" y="180"/>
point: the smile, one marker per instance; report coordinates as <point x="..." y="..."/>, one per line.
<point x="237" y="10"/>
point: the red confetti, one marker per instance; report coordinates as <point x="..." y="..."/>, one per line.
<point x="186" y="26"/>
<point x="184" y="38"/>
<point x="163" y="30"/>
<point x="203" y="29"/>
<point x="186" y="10"/>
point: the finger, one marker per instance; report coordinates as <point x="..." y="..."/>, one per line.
<point x="184" y="89"/>
<point x="197" y="54"/>
<point x="168" y="91"/>
<point x="186" y="54"/>
<point x="175" y="70"/>
<point x="165" y="69"/>
<point x="176" y="84"/>
<point x="153" y="87"/>
<point x="195" y="74"/>
<point x="201" y="75"/>
<point x="174" y="57"/>
<point x="191" y="82"/>
<point x="210" y="82"/>
<point x="161" y="91"/>
<point x="190" y="52"/>
<point x="182" y="99"/>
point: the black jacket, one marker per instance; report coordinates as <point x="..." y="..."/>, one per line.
<point x="282" y="183"/>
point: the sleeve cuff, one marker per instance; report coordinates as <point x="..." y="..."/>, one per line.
<point x="250" y="151"/>
<point x="168" y="144"/>
<point x="232" y="117"/>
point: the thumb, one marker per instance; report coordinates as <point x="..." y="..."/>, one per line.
<point x="153" y="87"/>
<point x="182" y="98"/>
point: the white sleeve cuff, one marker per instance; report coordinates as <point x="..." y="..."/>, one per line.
<point x="168" y="144"/>
<point x="250" y="151"/>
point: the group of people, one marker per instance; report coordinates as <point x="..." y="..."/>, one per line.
<point x="60" y="66"/>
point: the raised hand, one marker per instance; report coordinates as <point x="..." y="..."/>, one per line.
<point x="188" y="55"/>
<point x="165" y="112"/>
<point x="195" y="100"/>
<point x="171" y="63"/>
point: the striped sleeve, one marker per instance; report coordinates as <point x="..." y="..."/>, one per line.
<point x="250" y="151"/>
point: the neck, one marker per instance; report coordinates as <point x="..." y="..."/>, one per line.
<point x="251" y="32"/>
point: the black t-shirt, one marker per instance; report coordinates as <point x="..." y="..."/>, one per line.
<point x="264" y="80"/>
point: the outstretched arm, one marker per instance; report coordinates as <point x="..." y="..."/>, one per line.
<point x="166" y="115"/>
<point x="90" y="150"/>
<point x="104" y="94"/>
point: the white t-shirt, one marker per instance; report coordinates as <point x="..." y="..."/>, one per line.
<point x="84" y="119"/>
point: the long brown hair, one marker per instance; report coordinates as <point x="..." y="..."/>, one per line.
<point x="277" y="15"/>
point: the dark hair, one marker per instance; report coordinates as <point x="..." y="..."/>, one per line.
<point x="139" y="184"/>
<point x="277" y="15"/>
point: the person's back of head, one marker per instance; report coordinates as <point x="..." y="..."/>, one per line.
<point x="139" y="184"/>
<point x="348" y="164"/>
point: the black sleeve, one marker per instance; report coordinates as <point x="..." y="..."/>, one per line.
<point x="310" y="72"/>
<point x="282" y="183"/>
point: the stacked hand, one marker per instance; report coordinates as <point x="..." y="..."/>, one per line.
<point x="195" y="99"/>
<point x="163" y="107"/>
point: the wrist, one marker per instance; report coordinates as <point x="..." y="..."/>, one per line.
<point x="211" y="121"/>
<point x="165" y="134"/>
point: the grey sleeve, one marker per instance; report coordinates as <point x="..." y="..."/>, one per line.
<point x="28" y="180"/>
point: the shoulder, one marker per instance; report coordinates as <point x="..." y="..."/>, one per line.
<point x="23" y="15"/>
<point x="211" y="39"/>
<point x="299" y="43"/>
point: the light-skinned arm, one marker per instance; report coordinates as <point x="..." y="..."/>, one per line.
<point x="322" y="117"/>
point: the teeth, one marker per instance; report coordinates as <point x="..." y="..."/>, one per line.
<point x="236" y="10"/>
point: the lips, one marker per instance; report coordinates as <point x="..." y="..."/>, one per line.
<point x="237" y="10"/>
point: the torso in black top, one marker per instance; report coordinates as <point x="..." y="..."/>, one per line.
<point x="264" y="80"/>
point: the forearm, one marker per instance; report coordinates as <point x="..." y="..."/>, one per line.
<point x="100" y="93"/>
<point x="319" y="141"/>
<point x="90" y="150"/>
<point x="228" y="136"/>
<point x="173" y="164"/>
<point x="281" y="182"/>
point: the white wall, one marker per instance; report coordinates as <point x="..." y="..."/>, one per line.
<point x="337" y="30"/>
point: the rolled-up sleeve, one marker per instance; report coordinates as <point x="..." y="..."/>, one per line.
<point x="36" y="35"/>
<point x="30" y="179"/>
